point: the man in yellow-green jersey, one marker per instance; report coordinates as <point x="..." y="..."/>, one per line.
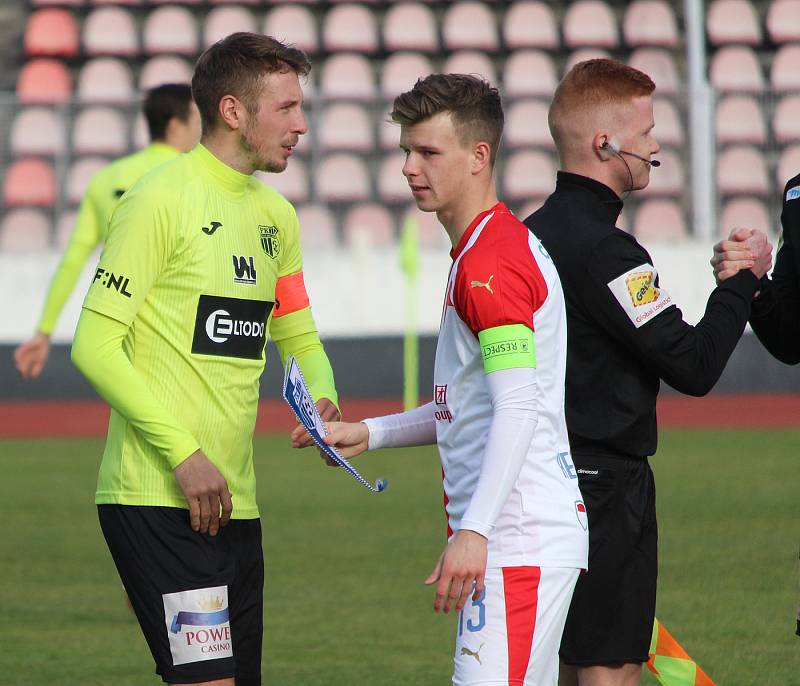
<point x="173" y="122"/>
<point x="201" y="264"/>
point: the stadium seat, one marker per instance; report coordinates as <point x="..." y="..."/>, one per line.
<point x="590" y="23"/>
<point x="110" y="31"/>
<point x="783" y="21"/>
<point x="742" y="170"/>
<point x="470" y="62"/>
<point x="106" y="79"/>
<point x="224" y="20"/>
<point x="410" y="26"/>
<point x="369" y="223"/>
<point x="526" y="209"/>
<point x="176" y="2"/>
<point x="235" y="2"/>
<point x="660" y="66"/>
<point x="739" y="119"/>
<point x="132" y="3"/>
<point x="526" y="125"/>
<point x="100" y="131"/>
<point x="57" y="3"/>
<point x="345" y="127"/>
<point x="786" y="122"/>
<point x="292" y="182"/>
<point x="164" y="69"/>
<point x="342" y="178"/>
<point x="744" y="213"/>
<point x="350" y="27"/>
<point x="29" y="181"/>
<point x="666" y="180"/>
<point x="529" y="72"/>
<point x="24" y="230"/>
<point x="44" y="81"/>
<point x="79" y="174"/>
<point x="788" y="165"/>
<point x="294" y="24"/>
<point x="430" y="233"/>
<point x="785" y="76"/>
<point x="650" y="23"/>
<point x="65" y="224"/>
<point x="347" y="76"/>
<point x="733" y="22"/>
<point x="401" y="70"/>
<point x="736" y="68"/>
<point x="392" y="185"/>
<point x="669" y="127"/>
<point x="528" y="174"/>
<point x="659" y="220"/>
<point x="170" y="30"/>
<point x="317" y="227"/>
<point x="37" y="131"/>
<point x="530" y="24"/>
<point x="583" y="54"/>
<point x="469" y="25"/>
<point x="388" y="133"/>
<point x="51" y="32"/>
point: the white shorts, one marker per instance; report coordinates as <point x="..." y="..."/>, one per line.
<point x="511" y="636"/>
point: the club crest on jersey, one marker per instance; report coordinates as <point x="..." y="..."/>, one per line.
<point x="198" y="624"/>
<point x="270" y="240"/>
<point x="440" y="394"/>
<point x="580" y="512"/>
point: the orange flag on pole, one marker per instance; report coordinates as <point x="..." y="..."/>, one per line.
<point x="671" y="664"/>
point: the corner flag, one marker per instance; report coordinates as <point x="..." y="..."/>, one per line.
<point x="671" y="664"/>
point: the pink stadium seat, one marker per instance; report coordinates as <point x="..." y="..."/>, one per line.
<point x="469" y="25"/>
<point x="392" y="185"/>
<point x="170" y="30"/>
<point x="350" y="27"/>
<point x="57" y="3"/>
<point x="748" y="213"/>
<point x="294" y="24"/>
<point x="739" y="119"/>
<point x="292" y="182"/>
<point x="410" y="26"/>
<point x="736" y="68"/>
<point x="44" y="81"/>
<point x="51" y="32"/>
<point x="470" y="62"/>
<point x="106" y="79"/>
<point x="742" y="170"/>
<point x="388" y="133"/>
<point x="660" y="66"/>
<point x="783" y="21"/>
<point x="659" y="220"/>
<point x="317" y="227"/>
<point x="79" y="174"/>
<point x="529" y="72"/>
<point x="582" y="55"/>
<point x="345" y="127"/>
<point x="371" y="223"/>
<point x="164" y="69"/>
<point x="590" y="23"/>
<point x="235" y="2"/>
<point x="37" y="131"/>
<point x="669" y="128"/>
<point x="29" y="181"/>
<point x="176" y="2"/>
<point x="788" y="165"/>
<point x="65" y="223"/>
<point x="222" y="21"/>
<point x="667" y="180"/>
<point x="526" y="125"/>
<point x="733" y="21"/>
<point x="110" y="31"/>
<point x="785" y="76"/>
<point x="401" y="70"/>
<point x="131" y="3"/>
<point x="25" y="230"/>
<point x="342" y="178"/>
<point x="139" y="132"/>
<point x="347" y="75"/>
<point x="530" y="24"/>
<point x="786" y="122"/>
<point x="650" y="23"/>
<point x="430" y="233"/>
<point x="100" y="131"/>
<point x="528" y="174"/>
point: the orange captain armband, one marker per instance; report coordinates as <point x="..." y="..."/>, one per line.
<point x="290" y="294"/>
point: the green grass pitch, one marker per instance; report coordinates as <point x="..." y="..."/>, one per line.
<point x="345" y="602"/>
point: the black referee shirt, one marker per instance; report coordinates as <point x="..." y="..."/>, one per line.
<point x="624" y="333"/>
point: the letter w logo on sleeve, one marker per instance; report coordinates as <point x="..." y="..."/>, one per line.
<point x="636" y="291"/>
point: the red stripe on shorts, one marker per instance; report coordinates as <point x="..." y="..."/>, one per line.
<point x="521" y="589"/>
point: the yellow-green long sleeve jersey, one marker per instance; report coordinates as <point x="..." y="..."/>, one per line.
<point x="91" y="224"/>
<point x="201" y="263"/>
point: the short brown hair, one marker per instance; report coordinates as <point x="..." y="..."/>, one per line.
<point x="473" y="104"/>
<point x="235" y="65"/>
<point x="595" y="83"/>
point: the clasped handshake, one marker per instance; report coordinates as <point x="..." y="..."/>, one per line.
<point x="743" y="249"/>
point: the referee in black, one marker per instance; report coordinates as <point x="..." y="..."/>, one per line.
<point x="625" y="334"/>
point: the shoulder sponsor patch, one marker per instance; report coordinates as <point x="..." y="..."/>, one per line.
<point x="198" y="624"/>
<point x="793" y="193"/>
<point x="638" y="294"/>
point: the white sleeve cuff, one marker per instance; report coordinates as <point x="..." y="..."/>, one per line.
<point x="415" y="427"/>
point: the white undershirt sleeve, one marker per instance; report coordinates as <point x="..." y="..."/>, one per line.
<point x="513" y="396"/>
<point x="415" y="427"/>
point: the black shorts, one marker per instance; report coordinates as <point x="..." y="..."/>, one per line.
<point x="198" y="598"/>
<point x="610" y="619"/>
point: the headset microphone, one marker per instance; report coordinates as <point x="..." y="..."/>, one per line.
<point x="613" y="148"/>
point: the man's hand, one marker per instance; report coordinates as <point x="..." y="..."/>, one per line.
<point x="329" y="413"/>
<point x="744" y="249"/>
<point x="206" y="491"/>
<point x="762" y="253"/>
<point x="462" y="563"/>
<point x="31" y="356"/>
<point x="349" y="438"/>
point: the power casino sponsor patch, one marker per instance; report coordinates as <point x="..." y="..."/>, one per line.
<point x="198" y="624"/>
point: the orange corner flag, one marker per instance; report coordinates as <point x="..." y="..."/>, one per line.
<point x="671" y="664"/>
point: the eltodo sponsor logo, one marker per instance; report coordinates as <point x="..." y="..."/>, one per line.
<point x="198" y="624"/>
<point x="230" y="327"/>
<point x="220" y="327"/>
